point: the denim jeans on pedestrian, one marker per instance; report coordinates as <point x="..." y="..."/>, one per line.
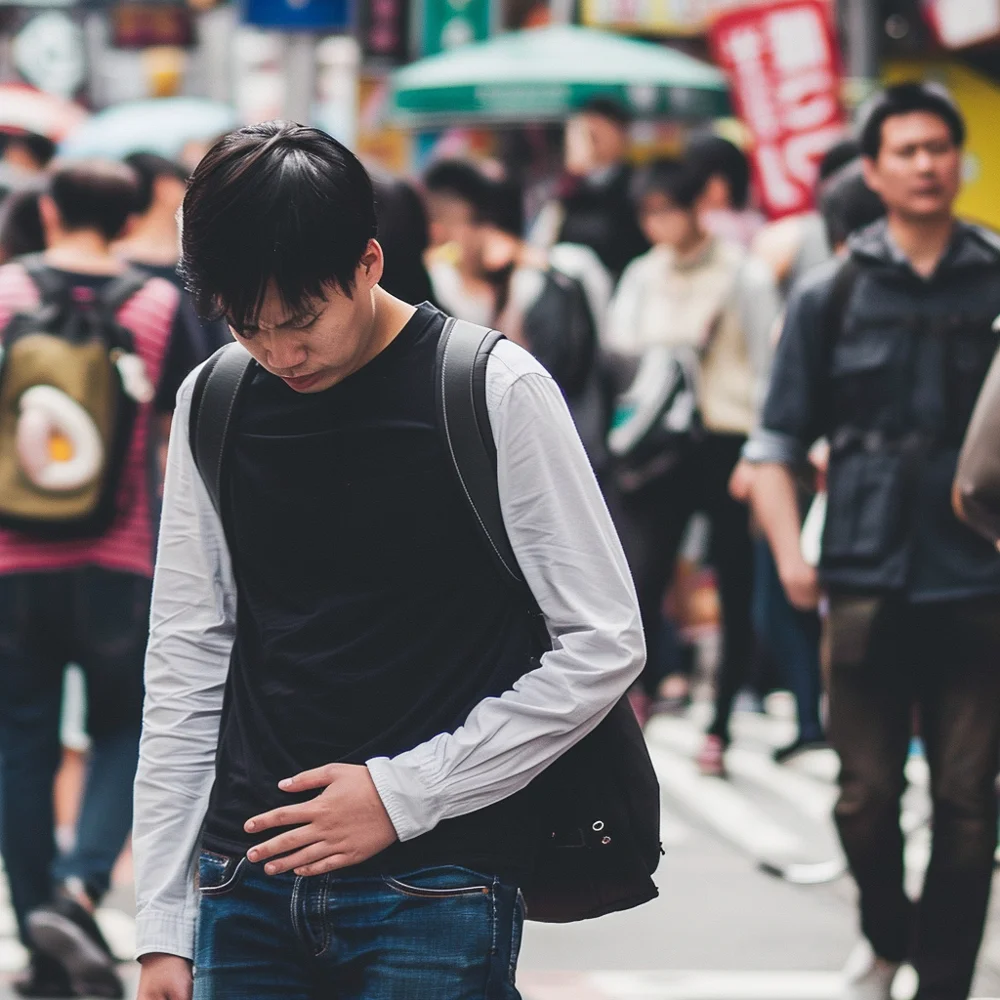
<point x="888" y="659"/>
<point x="792" y="637"/>
<point x="444" y="933"/>
<point x="99" y="619"/>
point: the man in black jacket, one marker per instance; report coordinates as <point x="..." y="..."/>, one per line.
<point x="597" y="209"/>
<point x="884" y="355"/>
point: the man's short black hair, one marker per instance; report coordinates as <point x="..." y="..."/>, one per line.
<point x="837" y="156"/>
<point x="905" y="99"/>
<point x="715" y="156"/>
<point x="149" y="167"/>
<point x="95" y="194"/>
<point x="39" y="147"/>
<point x="461" y="180"/>
<point x="848" y="204"/>
<point x="275" y="202"/>
<point x="606" y="107"/>
<point x="680" y="180"/>
<point x="505" y="209"/>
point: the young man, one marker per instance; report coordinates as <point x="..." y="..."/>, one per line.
<point x="82" y="600"/>
<point x="344" y="711"/>
<point x="886" y="361"/>
<point x="698" y="295"/>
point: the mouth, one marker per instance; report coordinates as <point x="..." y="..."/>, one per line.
<point x="301" y="381"/>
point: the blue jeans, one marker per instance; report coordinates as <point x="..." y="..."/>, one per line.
<point x="435" y="934"/>
<point x="792" y="637"/>
<point x="98" y="619"/>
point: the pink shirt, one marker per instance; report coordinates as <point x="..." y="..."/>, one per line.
<point x="128" y="545"/>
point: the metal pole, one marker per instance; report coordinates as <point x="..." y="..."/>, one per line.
<point x="862" y="28"/>
<point x="300" y="75"/>
<point x="561" y="11"/>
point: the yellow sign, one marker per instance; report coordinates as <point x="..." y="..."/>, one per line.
<point x="655" y="17"/>
<point x="979" y="98"/>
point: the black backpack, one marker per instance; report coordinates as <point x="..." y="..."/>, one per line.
<point x="70" y="386"/>
<point x="600" y="841"/>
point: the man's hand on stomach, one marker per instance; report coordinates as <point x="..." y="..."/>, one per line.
<point x="344" y="825"/>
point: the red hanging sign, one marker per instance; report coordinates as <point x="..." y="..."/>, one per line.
<point x="784" y="69"/>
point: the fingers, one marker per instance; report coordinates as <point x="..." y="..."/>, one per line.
<point x="318" y="777"/>
<point x="285" y="816"/>
<point x="329" y="864"/>
<point x="300" y="859"/>
<point x="300" y="837"/>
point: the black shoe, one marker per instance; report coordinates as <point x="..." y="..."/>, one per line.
<point x="65" y="932"/>
<point x="784" y="754"/>
<point x="45" y="978"/>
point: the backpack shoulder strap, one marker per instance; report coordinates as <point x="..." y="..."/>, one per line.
<point x="212" y="403"/>
<point x="51" y="287"/>
<point x="122" y="288"/>
<point x="835" y="309"/>
<point x="462" y="355"/>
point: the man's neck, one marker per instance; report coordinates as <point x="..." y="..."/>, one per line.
<point x="692" y="251"/>
<point x="153" y="240"/>
<point x="84" y="252"/>
<point x="922" y="241"/>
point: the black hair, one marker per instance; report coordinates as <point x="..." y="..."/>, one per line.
<point x="149" y="167"/>
<point x="679" y="180"/>
<point x="848" y="204"/>
<point x="838" y="155"/>
<point x="505" y="207"/>
<point x="21" y="230"/>
<point x="39" y="147"/>
<point x="95" y="194"/>
<point x="461" y="180"/>
<point x="607" y="107"/>
<point x="905" y="99"/>
<point x="275" y="202"/>
<point x="714" y="156"/>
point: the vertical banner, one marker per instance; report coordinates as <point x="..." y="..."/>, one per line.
<point x="385" y="31"/>
<point x="784" y="67"/>
<point x="451" y="23"/>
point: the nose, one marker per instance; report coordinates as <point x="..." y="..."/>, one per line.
<point x="283" y="353"/>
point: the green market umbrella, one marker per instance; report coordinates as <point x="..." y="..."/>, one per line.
<point x="544" y="73"/>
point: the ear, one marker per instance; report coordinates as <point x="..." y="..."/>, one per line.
<point x="51" y="220"/>
<point x="869" y="170"/>
<point x="372" y="265"/>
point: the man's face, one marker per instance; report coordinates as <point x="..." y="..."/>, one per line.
<point x="327" y="341"/>
<point x="918" y="170"/>
<point x="665" y="224"/>
<point x="169" y="192"/>
<point x="453" y="220"/>
<point x="594" y="142"/>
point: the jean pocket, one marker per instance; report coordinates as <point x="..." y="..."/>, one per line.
<point x="446" y="882"/>
<point x="219" y="874"/>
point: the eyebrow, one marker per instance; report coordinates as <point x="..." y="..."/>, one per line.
<point x="299" y="319"/>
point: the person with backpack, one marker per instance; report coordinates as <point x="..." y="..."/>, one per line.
<point x="695" y="312"/>
<point x="884" y="354"/>
<point x="391" y="628"/>
<point x="92" y="358"/>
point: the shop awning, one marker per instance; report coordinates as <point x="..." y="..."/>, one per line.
<point x="544" y="73"/>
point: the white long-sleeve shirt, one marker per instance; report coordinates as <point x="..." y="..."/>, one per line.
<point x="570" y="556"/>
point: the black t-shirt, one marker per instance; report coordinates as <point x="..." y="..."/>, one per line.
<point x="370" y="616"/>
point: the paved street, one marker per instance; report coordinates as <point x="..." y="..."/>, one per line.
<point x="722" y="929"/>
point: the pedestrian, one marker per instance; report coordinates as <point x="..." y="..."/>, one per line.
<point x="75" y="588"/>
<point x="343" y="630"/>
<point x="698" y="296"/>
<point x="152" y="240"/>
<point x="725" y="203"/>
<point x="884" y="354"/>
<point x="21" y="229"/>
<point x="592" y="205"/>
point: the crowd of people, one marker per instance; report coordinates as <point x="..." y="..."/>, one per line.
<point x="710" y="363"/>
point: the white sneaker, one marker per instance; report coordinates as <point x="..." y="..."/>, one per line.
<point x="868" y="977"/>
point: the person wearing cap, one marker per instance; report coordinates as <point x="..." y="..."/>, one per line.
<point x="884" y="353"/>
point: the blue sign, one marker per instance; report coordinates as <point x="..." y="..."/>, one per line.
<point x="300" y="15"/>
